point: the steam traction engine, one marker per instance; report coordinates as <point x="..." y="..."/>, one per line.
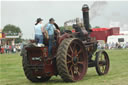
<point x="72" y="55"/>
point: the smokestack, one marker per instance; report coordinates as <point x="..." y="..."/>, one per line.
<point x="85" y="10"/>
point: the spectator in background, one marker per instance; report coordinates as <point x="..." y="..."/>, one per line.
<point x="109" y="45"/>
<point x="126" y="44"/>
<point x="7" y="48"/>
<point x="0" y="49"/>
<point x="14" y="49"/>
<point x="10" y="49"/>
<point x="98" y="46"/>
<point x="18" y="48"/>
<point x="112" y="45"/>
<point x="106" y="46"/>
<point x="117" y="45"/>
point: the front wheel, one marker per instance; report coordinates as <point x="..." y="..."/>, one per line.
<point x="102" y="62"/>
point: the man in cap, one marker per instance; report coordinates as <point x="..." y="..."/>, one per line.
<point x="50" y="28"/>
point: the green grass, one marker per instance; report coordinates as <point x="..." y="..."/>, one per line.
<point x="11" y="72"/>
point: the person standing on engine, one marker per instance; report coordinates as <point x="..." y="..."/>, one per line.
<point x="38" y="32"/>
<point x="50" y="28"/>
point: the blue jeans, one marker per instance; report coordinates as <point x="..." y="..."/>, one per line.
<point x="51" y="38"/>
<point x="39" y="39"/>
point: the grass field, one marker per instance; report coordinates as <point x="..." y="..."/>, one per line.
<point x="11" y="72"/>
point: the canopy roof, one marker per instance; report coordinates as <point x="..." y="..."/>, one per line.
<point x="100" y="29"/>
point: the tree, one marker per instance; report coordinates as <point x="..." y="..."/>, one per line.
<point x="62" y="29"/>
<point x="69" y="27"/>
<point x="90" y="26"/>
<point x="97" y="27"/>
<point x="12" y="30"/>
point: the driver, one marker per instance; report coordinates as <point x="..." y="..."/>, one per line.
<point x="50" y="28"/>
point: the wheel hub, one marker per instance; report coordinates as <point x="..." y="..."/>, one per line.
<point x="75" y="60"/>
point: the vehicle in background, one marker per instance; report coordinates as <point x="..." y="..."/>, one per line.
<point x="122" y="39"/>
<point x="119" y="41"/>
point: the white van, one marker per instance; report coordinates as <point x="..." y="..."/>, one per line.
<point x="122" y="39"/>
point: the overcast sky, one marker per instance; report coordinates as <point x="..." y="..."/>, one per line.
<point x="25" y="13"/>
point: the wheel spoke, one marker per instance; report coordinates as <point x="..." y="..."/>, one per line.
<point x="72" y="74"/>
<point x="69" y="55"/>
<point x="70" y="70"/>
<point x="75" y="53"/>
<point x="71" y="49"/>
<point x="101" y="60"/>
<point x="78" y="73"/>
<point x="103" y="69"/>
<point x="102" y="63"/>
<point x="101" y="57"/>
<point x="81" y="63"/>
<point x="74" y="47"/>
<point x="69" y="62"/>
<point x="79" y="51"/>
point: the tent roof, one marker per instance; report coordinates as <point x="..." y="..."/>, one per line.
<point x="100" y="29"/>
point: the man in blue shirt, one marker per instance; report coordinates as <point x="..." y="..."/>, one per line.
<point x="50" y="28"/>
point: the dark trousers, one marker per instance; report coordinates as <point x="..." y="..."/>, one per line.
<point x="51" y="38"/>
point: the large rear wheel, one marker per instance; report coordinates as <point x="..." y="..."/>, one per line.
<point x="27" y="70"/>
<point x="72" y="60"/>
